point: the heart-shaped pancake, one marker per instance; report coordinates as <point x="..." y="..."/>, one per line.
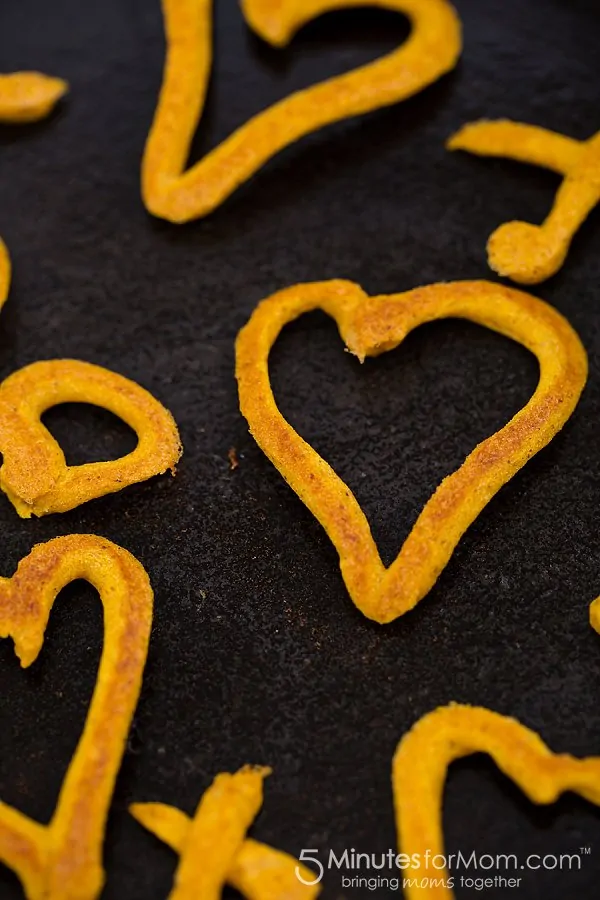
<point x="34" y="474"/>
<point x="419" y="773"/>
<point x="370" y="326"/>
<point x="63" y="860"/>
<point x="172" y="193"/>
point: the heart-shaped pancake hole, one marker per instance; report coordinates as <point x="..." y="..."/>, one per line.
<point x="172" y="193"/>
<point x="370" y="326"/>
<point x="419" y="773"/>
<point x="34" y="474"/>
<point x="63" y="860"/>
<point x="88" y="433"/>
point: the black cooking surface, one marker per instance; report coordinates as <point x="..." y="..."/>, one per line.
<point x="257" y="653"/>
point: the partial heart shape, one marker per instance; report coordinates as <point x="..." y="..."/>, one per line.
<point x="5" y="273"/>
<point x="519" y="250"/>
<point x="34" y="474"/>
<point x="419" y="774"/>
<point x="213" y="848"/>
<point x="29" y="96"/>
<point x="63" y="860"/>
<point x="172" y="193"/>
<point x="25" y="97"/>
<point x="373" y="325"/>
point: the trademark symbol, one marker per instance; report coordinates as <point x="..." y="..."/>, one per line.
<point x="585" y="851"/>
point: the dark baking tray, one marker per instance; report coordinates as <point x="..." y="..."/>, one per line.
<point x="257" y="653"/>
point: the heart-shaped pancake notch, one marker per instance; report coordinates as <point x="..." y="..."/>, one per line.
<point x="63" y="860"/>
<point x="34" y="474"/>
<point x="171" y="192"/>
<point x="370" y="326"/>
<point x="419" y="771"/>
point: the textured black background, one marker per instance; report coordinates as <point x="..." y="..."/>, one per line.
<point x="257" y="653"/>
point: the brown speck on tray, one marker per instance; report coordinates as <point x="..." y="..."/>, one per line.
<point x="233" y="459"/>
